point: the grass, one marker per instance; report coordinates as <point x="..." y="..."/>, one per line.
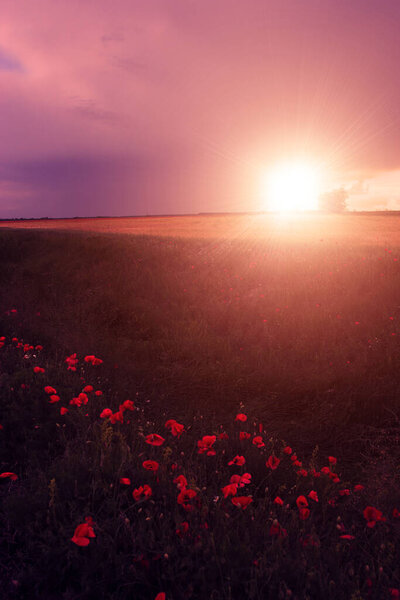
<point x="301" y="336"/>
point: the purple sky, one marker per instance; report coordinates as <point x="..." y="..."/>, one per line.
<point x="175" y="106"/>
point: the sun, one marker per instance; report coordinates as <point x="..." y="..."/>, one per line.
<point x="291" y="187"/>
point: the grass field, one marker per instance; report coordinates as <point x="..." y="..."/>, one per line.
<point x="293" y="323"/>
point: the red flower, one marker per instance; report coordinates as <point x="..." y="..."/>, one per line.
<point x="304" y="513"/>
<point x="279" y="501"/>
<point x="12" y="476"/>
<point x="332" y="460"/>
<point x="287" y="450"/>
<point x="160" y="596"/>
<point x="372" y="515"/>
<point x="276" y="529"/>
<point x="151" y="465"/>
<point x="185" y="496"/>
<point x="242" y="501"/>
<point x="272" y="462"/>
<point x="347" y="536"/>
<point x="107" y="412"/>
<point x="243" y="435"/>
<point x="50" y="390"/>
<point x="301" y="502"/>
<point x="117" y="416"/>
<point x="63" y="410"/>
<point x="223" y="436"/>
<point x="83" y="532"/>
<point x="54" y="398"/>
<point x="88" y="388"/>
<point x="241" y="480"/>
<point x="125" y="481"/>
<point x="258" y="441"/>
<point x="241" y="417"/>
<point x="358" y="487"/>
<point x="127" y="405"/>
<point x="345" y="492"/>
<point x="206" y="443"/>
<point x="143" y="490"/>
<point x="180" y="481"/>
<point x="176" y="428"/>
<point x="93" y="360"/>
<point x="230" y="490"/>
<point x="238" y="460"/>
<point x="154" y="439"/>
<point x="182" y="529"/>
<point x="98" y="393"/>
<point x="38" y="370"/>
<point x="396" y="513"/>
<point x="313" y="495"/>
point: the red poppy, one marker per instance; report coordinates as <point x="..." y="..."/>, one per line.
<point x="372" y="515"/>
<point x="344" y="492"/>
<point x="258" y="441"/>
<point x="12" y="476"/>
<point x="358" y="487"/>
<point x="313" y="495"/>
<point x="223" y="436"/>
<point x="143" y="490"/>
<point x="332" y="460"/>
<point x="127" y="405"/>
<point x="276" y="529"/>
<point x="279" y="501"/>
<point x="242" y="501"/>
<point x="176" y="428"/>
<point x="38" y="370"/>
<point x="154" y="439"/>
<point x="83" y="532"/>
<point x="272" y="462"/>
<point x="117" y="416"/>
<point x="151" y="465"/>
<point x="50" y="390"/>
<point x="160" y="596"/>
<point x="63" y="410"/>
<point x="287" y="450"/>
<point x="230" y="490"/>
<point x="304" y="513"/>
<point x="301" y="502"/>
<point x="238" y="460"/>
<point x="347" y="536"/>
<point x="180" y="481"/>
<point x="54" y="398"/>
<point x="107" y="412"/>
<point x="182" y="529"/>
<point x="206" y="443"/>
<point x="93" y="360"/>
<point x="88" y="388"/>
<point x="98" y="393"/>
<point x="241" y="417"/>
<point x="396" y="513"/>
<point x="185" y="496"/>
<point x="125" y="481"/>
<point x="243" y="435"/>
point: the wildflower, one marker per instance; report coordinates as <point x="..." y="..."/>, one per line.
<point x="332" y="460"/>
<point x="98" y="393"/>
<point x="127" y="405"/>
<point x="182" y="529"/>
<point x="206" y="443"/>
<point x="279" y="501"/>
<point x="154" y="439"/>
<point x="230" y="490"/>
<point x="50" y="390"/>
<point x="347" y="536"/>
<point x="160" y="596"/>
<point x="38" y="370"/>
<point x="88" y="388"/>
<point x="12" y="476"/>
<point x="125" y="481"/>
<point x="93" y="360"/>
<point x="185" y="496"/>
<point x="344" y="492"/>
<point x="372" y="515"/>
<point x="63" y="410"/>
<point x="276" y="529"/>
<point x="287" y="450"/>
<point x="242" y="501"/>
<point x="304" y="513"/>
<point x="107" y="412"/>
<point x="117" y="416"/>
<point x="241" y="417"/>
<point x="301" y="502"/>
<point x="223" y="436"/>
<point x="83" y="532"/>
<point x="238" y="460"/>
<point x="258" y="441"/>
<point x="302" y="472"/>
<point x="54" y="398"/>
<point x="313" y="495"/>
<point x="243" y="435"/>
<point x="396" y="513"/>
<point x="176" y="428"/>
<point x="143" y="490"/>
<point x="272" y="462"/>
<point x="180" y="481"/>
<point x="358" y="487"/>
<point x="151" y="465"/>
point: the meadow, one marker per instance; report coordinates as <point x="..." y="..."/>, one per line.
<point x="208" y="408"/>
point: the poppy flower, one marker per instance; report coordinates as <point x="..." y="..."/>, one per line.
<point x="358" y="487"/>
<point x="117" y="416"/>
<point x="396" y="513"/>
<point x="241" y="417"/>
<point x="107" y="412"/>
<point x="272" y="462"/>
<point x="160" y="596"/>
<point x="332" y="460"/>
<point x="54" y="398"/>
<point x="50" y="390"/>
<point x="223" y="436"/>
<point x="98" y="393"/>
<point x="287" y="450"/>
<point x="127" y="405"/>
<point x="241" y="480"/>
<point x="93" y="360"/>
<point x="372" y="515"/>
<point x="242" y="501"/>
<point x="12" y="476"/>
<point x="206" y="443"/>
<point x="83" y="532"/>
<point x="125" y="481"/>
<point x="344" y="492"/>
<point x="88" y="388"/>
<point x="277" y="530"/>
<point x="182" y="529"/>
<point x="154" y="439"/>
<point x="304" y="513"/>
<point x="313" y="495"/>
<point x="185" y="496"/>
<point x="176" y="428"/>
<point x="279" y="501"/>
<point x="143" y="490"/>
<point x="238" y="460"/>
<point x="38" y="370"/>
<point x="301" y="502"/>
<point x="347" y="536"/>
<point x="243" y="435"/>
<point x="63" y="410"/>
<point x="180" y="481"/>
<point x="230" y="490"/>
<point x="258" y="441"/>
<point x="151" y="465"/>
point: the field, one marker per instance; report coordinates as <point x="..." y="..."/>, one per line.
<point x="276" y="339"/>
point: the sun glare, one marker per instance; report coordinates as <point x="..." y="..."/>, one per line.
<point x="291" y="187"/>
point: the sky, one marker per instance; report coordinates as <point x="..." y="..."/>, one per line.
<point x="127" y="107"/>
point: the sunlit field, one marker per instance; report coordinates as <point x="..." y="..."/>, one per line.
<point x="206" y="409"/>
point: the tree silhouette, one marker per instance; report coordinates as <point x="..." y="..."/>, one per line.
<point x="333" y="201"/>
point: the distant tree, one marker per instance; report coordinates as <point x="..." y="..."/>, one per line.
<point x="334" y="201"/>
